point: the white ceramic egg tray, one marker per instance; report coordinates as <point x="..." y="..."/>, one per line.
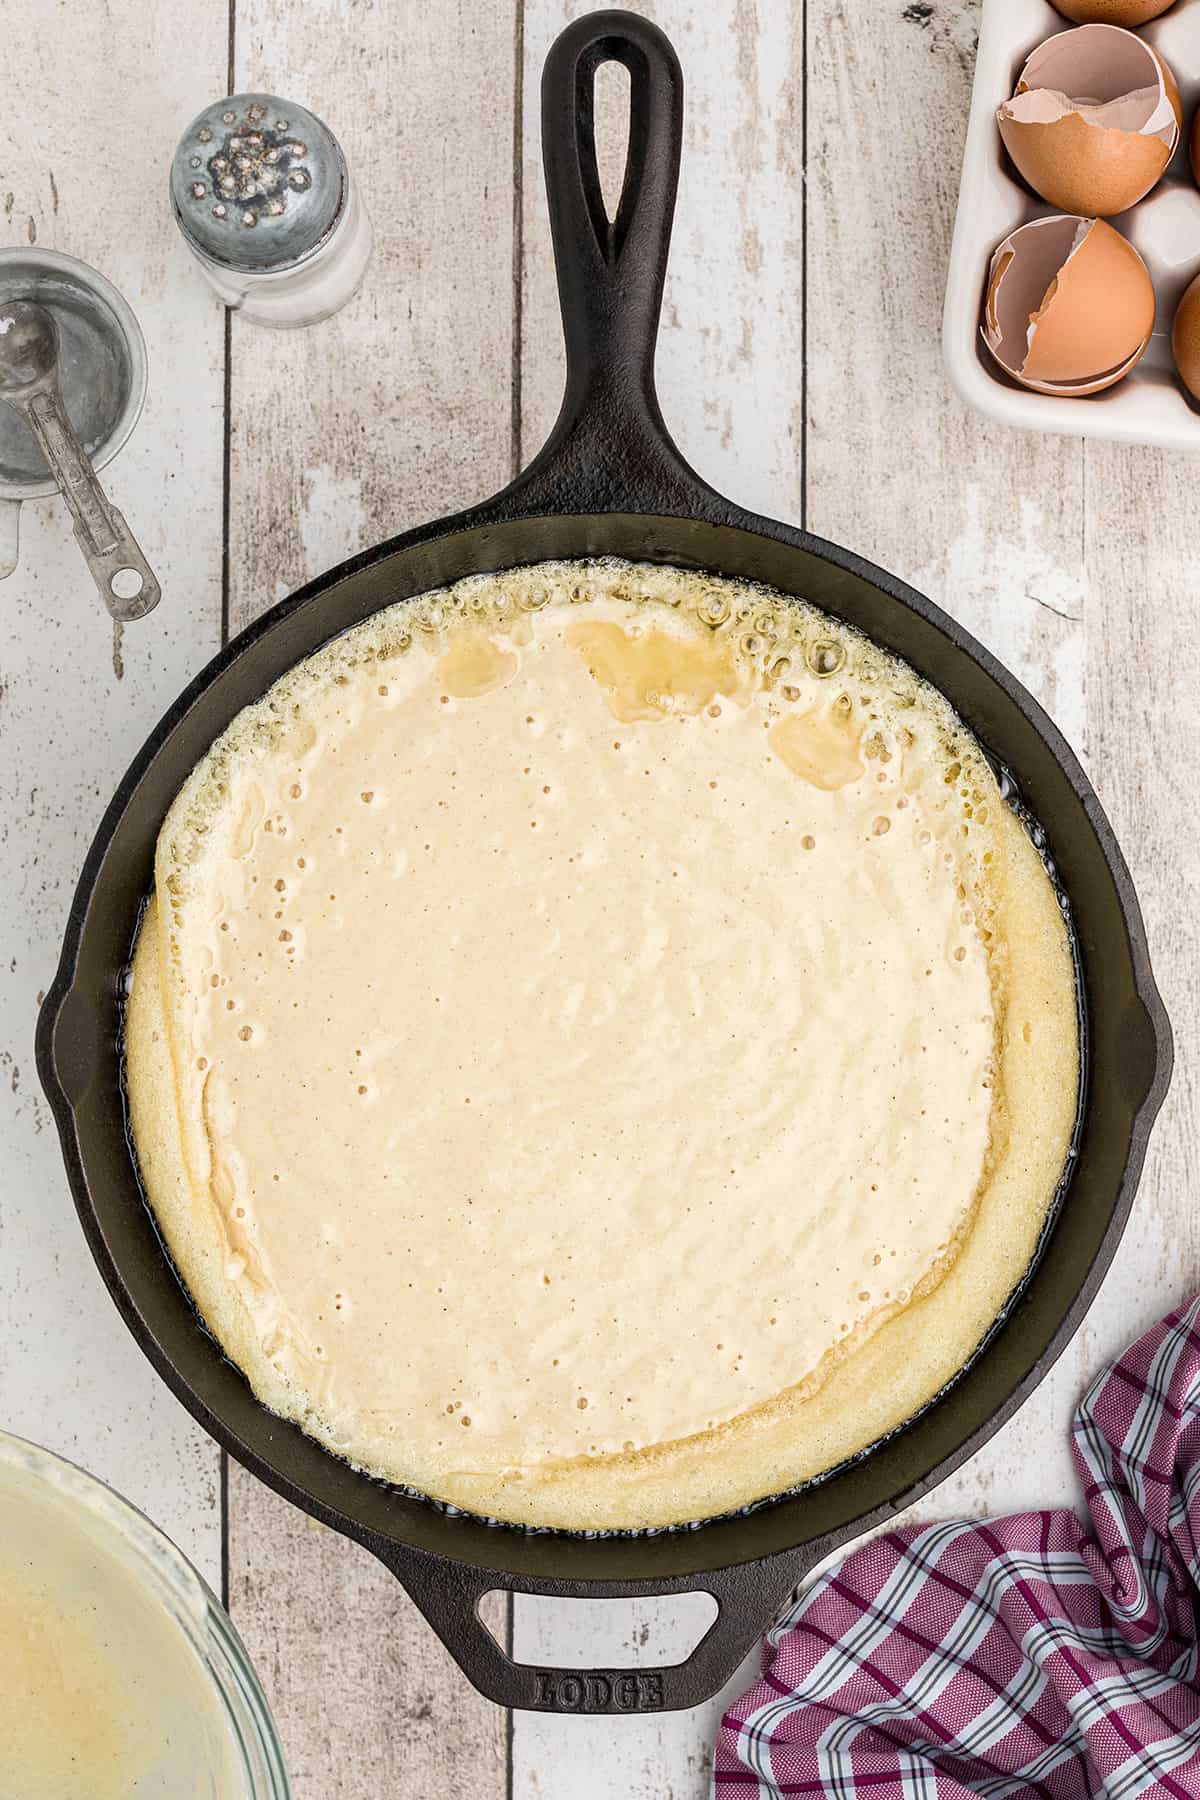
<point x="1149" y="406"/>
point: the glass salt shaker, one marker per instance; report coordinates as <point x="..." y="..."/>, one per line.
<point x="262" y="194"/>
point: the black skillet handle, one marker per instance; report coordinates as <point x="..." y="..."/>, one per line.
<point x="748" y="1598"/>
<point x="610" y="450"/>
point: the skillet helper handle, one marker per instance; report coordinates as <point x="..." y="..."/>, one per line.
<point x="610" y="450"/>
<point x="748" y="1597"/>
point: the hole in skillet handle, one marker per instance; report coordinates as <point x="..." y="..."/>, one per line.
<point x="610" y="450"/>
<point x="610" y="129"/>
<point x="748" y="1597"/>
<point x="580" y="1634"/>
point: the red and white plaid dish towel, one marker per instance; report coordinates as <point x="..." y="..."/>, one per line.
<point x="1034" y="1655"/>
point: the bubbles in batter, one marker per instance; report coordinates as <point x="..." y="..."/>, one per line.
<point x="680" y="972"/>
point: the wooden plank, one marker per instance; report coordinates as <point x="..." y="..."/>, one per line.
<point x="367" y="1701"/>
<point x="70" y="1375"/>
<point x="730" y="375"/>
<point x="986" y="521"/>
<point x="395" y="410"/>
<point x="1143" y="738"/>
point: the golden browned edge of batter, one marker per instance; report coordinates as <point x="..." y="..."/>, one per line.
<point x="862" y="1390"/>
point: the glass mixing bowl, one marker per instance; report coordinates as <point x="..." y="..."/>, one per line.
<point x="118" y="1664"/>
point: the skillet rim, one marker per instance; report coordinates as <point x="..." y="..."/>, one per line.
<point x="321" y="589"/>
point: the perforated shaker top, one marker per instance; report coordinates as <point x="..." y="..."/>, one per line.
<point x="257" y="182"/>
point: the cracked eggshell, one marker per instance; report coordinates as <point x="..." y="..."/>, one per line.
<point x="1094" y="121"/>
<point x="1112" y="12"/>
<point x="1185" y="340"/>
<point x="1069" y="307"/>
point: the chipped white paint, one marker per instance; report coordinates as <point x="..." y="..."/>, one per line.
<point x="1070" y="561"/>
<point x="332" y="520"/>
<point x="1022" y="601"/>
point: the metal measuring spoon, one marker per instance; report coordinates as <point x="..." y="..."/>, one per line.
<point x="29" y="384"/>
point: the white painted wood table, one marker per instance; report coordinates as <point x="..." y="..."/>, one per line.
<point x="800" y="368"/>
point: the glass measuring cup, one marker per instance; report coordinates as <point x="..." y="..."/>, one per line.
<point x="102" y="373"/>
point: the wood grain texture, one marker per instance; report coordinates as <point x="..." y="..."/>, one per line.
<point x="70" y="1375"/>
<point x="367" y="1701"/>
<point x="395" y="410"/>
<point x="1144" y="743"/>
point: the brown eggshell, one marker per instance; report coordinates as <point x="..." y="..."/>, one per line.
<point x="1094" y="121"/>
<point x="1112" y="12"/>
<point x="1065" y="164"/>
<point x="1196" y="147"/>
<point x="1098" y="314"/>
<point x="1070" y="306"/>
<point x="1173" y="94"/>
<point x="1185" y="339"/>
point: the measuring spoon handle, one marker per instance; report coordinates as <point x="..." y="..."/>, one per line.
<point x="109" y="547"/>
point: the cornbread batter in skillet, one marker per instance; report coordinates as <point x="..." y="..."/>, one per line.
<point x="601" y="1049"/>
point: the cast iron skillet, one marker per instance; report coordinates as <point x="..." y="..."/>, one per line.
<point x="609" y="482"/>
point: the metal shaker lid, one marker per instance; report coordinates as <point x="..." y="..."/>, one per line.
<point x="257" y="182"/>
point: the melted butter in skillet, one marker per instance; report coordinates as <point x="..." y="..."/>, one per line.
<point x="474" y="664"/>
<point x="583" y="1020"/>
<point x="651" y="672"/>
